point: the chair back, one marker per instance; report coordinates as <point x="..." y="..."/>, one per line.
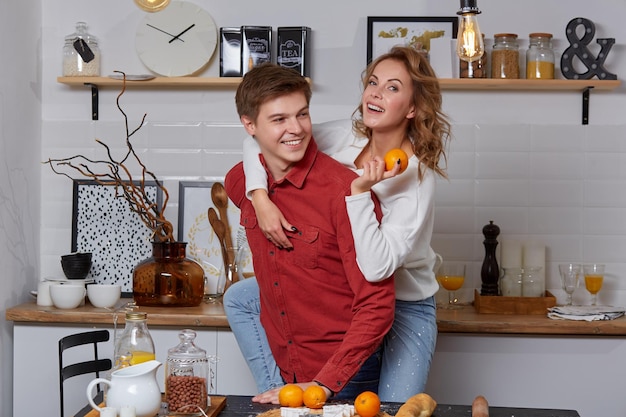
<point x="96" y="365"/>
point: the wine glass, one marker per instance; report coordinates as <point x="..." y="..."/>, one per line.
<point x="594" y="276"/>
<point x="570" y="274"/>
<point x="451" y="276"/>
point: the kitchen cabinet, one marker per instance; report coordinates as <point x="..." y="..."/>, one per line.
<point x="465" y="84"/>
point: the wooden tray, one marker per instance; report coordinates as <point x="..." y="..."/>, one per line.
<point x="495" y="304"/>
<point x="217" y="404"/>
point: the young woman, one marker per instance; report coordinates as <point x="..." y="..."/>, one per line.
<point x="401" y="107"/>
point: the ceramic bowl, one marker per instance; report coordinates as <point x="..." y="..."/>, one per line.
<point x="67" y="296"/>
<point x="76" y="265"/>
<point x="104" y="295"/>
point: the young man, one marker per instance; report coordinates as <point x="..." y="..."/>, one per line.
<point x="323" y="320"/>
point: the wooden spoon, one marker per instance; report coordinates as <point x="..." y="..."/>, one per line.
<point x="220" y="199"/>
<point x="220" y="231"/>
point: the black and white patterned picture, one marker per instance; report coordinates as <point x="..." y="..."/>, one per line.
<point x="104" y="225"/>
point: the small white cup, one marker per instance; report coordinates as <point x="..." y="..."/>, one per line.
<point x="67" y="296"/>
<point x="43" y="294"/>
<point x="104" y="295"/>
<point x="108" y="412"/>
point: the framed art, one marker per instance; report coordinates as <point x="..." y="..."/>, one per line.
<point x="203" y="246"/>
<point x="103" y="224"/>
<point x="385" y="32"/>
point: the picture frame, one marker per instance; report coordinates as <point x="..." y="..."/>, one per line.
<point x="104" y="224"/>
<point x="194" y="201"/>
<point x="384" y="32"/>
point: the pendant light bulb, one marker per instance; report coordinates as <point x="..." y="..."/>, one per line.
<point x="152" y="5"/>
<point x="469" y="41"/>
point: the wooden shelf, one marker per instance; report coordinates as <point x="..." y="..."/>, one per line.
<point x="461" y="84"/>
<point x="446" y="83"/>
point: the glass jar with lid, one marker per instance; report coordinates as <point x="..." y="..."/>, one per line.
<point x="135" y="344"/>
<point x="505" y="56"/>
<point x="540" y="57"/>
<point x="81" y="55"/>
<point x="186" y="377"/>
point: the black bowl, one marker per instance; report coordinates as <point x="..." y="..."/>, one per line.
<point x="76" y="265"/>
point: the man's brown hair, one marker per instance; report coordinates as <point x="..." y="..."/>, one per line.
<point x="265" y="82"/>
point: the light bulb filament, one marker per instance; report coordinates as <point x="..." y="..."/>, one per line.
<point x="470" y="45"/>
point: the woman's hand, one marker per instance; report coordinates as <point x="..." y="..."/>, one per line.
<point x="373" y="173"/>
<point x="271" y="220"/>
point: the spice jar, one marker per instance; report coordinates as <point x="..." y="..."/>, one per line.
<point x="540" y="57"/>
<point x="135" y="345"/>
<point x="186" y="377"/>
<point x="474" y="69"/>
<point x="81" y="56"/>
<point x="505" y="56"/>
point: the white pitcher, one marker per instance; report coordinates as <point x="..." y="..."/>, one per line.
<point x="135" y="386"/>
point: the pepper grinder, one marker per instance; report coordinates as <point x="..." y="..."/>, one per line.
<point x="490" y="271"/>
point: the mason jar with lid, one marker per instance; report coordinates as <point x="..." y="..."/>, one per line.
<point x="505" y="56"/>
<point x="540" y="57"/>
<point x="186" y="377"/>
<point x="81" y="55"/>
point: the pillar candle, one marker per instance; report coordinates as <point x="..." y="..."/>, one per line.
<point x="534" y="254"/>
<point x="511" y="254"/>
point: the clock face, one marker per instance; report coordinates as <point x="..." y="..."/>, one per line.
<point x="179" y="40"/>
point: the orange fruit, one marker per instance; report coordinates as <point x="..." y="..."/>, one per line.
<point x="392" y="157"/>
<point x="290" y="396"/>
<point x="367" y="404"/>
<point x="314" y="396"/>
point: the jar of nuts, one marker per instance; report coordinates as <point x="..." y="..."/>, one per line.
<point x="186" y="377"/>
<point x="505" y="56"/>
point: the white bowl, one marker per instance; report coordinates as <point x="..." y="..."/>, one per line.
<point x="67" y="295"/>
<point x="104" y="295"/>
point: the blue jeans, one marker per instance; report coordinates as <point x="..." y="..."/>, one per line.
<point x="410" y="341"/>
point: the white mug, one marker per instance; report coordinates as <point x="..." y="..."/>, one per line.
<point x="43" y="294"/>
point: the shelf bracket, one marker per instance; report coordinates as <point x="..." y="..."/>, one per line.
<point x="94" y="100"/>
<point x="586" y="105"/>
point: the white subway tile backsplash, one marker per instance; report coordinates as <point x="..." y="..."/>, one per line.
<point x="558" y="184"/>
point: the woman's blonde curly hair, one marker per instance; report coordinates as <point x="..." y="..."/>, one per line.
<point x="429" y="130"/>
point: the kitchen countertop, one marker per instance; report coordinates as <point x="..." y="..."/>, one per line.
<point x="242" y="406"/>
<point x="463" y="320"/>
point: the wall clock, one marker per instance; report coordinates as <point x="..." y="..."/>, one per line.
<point x="177" y="41"/>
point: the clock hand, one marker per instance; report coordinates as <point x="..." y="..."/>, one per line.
<point x="178" y="36"/>
<point x="161" y="30"/>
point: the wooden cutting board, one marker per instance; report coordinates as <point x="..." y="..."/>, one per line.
<point x="217" y="404"/>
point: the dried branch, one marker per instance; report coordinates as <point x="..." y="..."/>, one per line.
<point x="117" y="173"/>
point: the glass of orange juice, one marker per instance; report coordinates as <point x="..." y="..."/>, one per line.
<point x="594" y="277"/>
<point x="451" y="276"/>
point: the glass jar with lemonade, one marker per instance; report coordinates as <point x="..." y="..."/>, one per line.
<point x="135" y="345"/>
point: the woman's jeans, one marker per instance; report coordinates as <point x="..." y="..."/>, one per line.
<point x="407" y="348"/>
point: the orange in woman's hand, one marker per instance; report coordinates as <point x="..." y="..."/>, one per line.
<point x="392" y="157"/>
<point x="314" y="396"/>
<point x="367" y="404"/>
<point x="290" y="396"/>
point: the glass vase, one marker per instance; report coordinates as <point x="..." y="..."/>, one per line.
<point x="168" y="278"/>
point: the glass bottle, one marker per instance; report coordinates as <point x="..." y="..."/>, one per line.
<point x="505" y="56"/>
<point x="533" y="283"/>
<point x="186" y="377"/>
<point x="135" y="345"/>
<point x="81" y="55"/>
<point x="511" y="282"/>
<point x="168" y="277"/>
<point x="540" y="57"/>
<point x="474" y="69"/>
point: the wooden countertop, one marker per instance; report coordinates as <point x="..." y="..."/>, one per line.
<point x="463" y="320"/>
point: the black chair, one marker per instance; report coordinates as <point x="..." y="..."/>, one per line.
<point x="92" y="366"/>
